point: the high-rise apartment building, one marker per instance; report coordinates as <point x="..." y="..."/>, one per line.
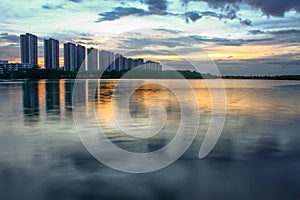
<point x="51" y="53"/>
<point x="105" y="59"/>
<point x="117" y="62"/>
<point x="112" y="64"/>
<point x="92" y="59"/>
<point x="150" y="65"/>
<point x="29" y="49"/>
<point x="138" y="62"/>
<point x="70" y="57"/>
<point x="81" y="55"/>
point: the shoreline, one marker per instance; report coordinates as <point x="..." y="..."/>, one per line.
<point x="53" y="74"/>
<point x="149" y="78"/>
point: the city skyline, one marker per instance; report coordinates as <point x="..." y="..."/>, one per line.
<point x="241" y="37"/>
<point x="77" y="56"/>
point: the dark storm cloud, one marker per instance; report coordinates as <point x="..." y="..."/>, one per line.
<point x="229" y="14"/>
<point x="193" y="16"/>
<point x="120" y="12"/>
<point x="276" y="8"/>
<point x="156" y="6"/>
<point x="160" y="7"/>
<point x="246" y="22"/>
<point x="52" y="7"/>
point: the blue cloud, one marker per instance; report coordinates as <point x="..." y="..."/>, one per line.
<point x="9" y="38"/>
<point x="52" y="7"/>
<point x="76" y="1"/>
<point x="119" y="12"/>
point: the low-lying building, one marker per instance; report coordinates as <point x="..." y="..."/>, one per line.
<point x="8" y="67"/>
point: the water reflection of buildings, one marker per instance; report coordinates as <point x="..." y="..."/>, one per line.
<point x="52" y="97"/>
<point x="68" y="95"/>
<point x="43" y="97"/>
<point x="30" y="99"/>
<point x="55" y="98"/>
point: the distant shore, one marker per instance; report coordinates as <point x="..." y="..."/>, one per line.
<point x="277" y="77"/>
<point x="291" y="78"/>
<point x="38" y="74"/>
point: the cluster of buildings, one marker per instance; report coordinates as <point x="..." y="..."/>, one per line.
<point x="74" y="57"/>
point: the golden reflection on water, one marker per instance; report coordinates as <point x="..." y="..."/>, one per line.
<point x="140" y="102"/>
<point x="241" y="97"/>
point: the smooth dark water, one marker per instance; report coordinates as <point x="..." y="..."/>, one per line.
<point x="257" y="156"/>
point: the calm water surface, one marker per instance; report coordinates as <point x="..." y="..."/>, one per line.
<point x="257" y="156"/>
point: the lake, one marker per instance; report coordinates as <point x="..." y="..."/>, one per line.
<point x="256" y="157"/>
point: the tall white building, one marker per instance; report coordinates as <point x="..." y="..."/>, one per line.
<point x="112" y="64"/>
<point x="92" y="59"/>
<point x="106" y="60"/>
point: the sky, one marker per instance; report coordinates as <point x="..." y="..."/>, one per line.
<point x="242" y="37"/>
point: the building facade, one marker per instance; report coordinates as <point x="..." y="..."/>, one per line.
<point x="95" y="60"/>
<point x="150" y="65"/>
<point x="70" y="57"/>
<point x="51" y="53"/>
<point x="138" y="62"/>
<point x="92" y="60"/>
<point x="104" y="60"/>
<point x="9" y="67"/>
<point x="81" y="55"/>
<point x="29" y="49"/>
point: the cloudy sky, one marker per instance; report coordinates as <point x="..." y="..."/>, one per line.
<point x="240" y="36"/>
